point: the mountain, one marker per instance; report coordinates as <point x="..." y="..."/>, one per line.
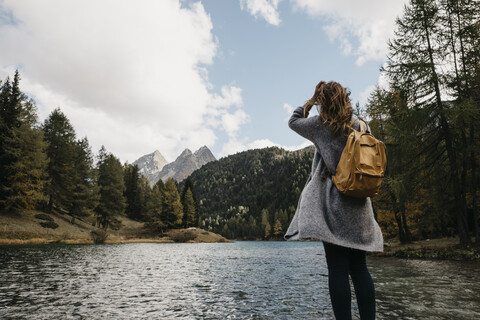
<point x="155" y="167"/>
<point x="240" y="193"/>
<point x="151" y="164"/>
<point x="184" y="165"/>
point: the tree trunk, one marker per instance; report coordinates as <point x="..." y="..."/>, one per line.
<point x="398" y="219"/>
<point x="408" y="235"/>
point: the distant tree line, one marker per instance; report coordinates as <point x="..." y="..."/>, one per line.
<point x="429" y="117"/>
<point x="45" y="167"/>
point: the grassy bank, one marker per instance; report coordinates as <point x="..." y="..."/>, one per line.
<point x="25" y="228"/>
<point x="432" y="249"/>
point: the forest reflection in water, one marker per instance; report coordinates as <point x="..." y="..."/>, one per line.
<point x="241" y="280"/>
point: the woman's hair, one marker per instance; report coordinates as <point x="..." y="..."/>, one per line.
<point x="335" y="106"/>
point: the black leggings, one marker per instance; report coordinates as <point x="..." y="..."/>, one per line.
<point x="341" y="262"/>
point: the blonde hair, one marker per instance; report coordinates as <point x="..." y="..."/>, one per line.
<point x="335" y="106"/>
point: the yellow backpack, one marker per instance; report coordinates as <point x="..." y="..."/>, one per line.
<point x="362" y="164"/>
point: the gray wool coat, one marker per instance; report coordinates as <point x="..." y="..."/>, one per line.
<point x="323" y="212"/>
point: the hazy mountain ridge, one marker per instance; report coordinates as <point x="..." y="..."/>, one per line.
<point x="154" y="169"/>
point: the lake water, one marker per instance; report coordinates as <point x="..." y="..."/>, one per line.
<point x="241" y="280"/>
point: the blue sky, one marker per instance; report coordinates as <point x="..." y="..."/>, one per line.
<point x="167" y="75"/>
<point x="281" y="64"/>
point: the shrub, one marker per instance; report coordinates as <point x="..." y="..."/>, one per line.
<point x="49" y="224"/>
<point x="185" y="236"/>
<point x="99" y="236"/>
<point x="43" y="216"/>
<point x="156" y="227"/>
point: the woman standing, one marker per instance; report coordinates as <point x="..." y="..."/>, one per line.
<point x="346" y="225"/>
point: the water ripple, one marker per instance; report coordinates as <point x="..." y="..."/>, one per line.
<point x="242" y="280"/>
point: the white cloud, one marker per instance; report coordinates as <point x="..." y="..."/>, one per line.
<point x="370" y="23"/>
<point x="128" y="75"/>
<point x="231" y="96"/>
<point x="231" y="122"/>
<point x="267" y="9"/>
<point x="365" y="94"/>
<point x="289" y="108"/>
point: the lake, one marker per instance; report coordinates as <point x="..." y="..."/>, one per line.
<point x="240" y="280"/>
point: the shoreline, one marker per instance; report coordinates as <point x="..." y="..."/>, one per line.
<point x="24" y="228"/>
<point x="43" y="241"/>
<point x="431" y="249"/>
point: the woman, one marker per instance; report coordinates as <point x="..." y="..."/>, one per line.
<point x="346" y="225"/>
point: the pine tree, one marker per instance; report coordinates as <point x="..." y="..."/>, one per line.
<point x="415" y="68"/>
<point x="145" y="196"/>
<point x="190" y="217"/>
<point x="83" y="197"/>
<point x="160" y="185"/>
<point x="22" y="150"/>
<point x="172" y="209"/>
<point x="60" y="138"/>
<point x="252" y="229"/>
<point x="264" y="223"/>
<point x="389" y="113"/>
<point x="193" y="217"/>
<point x="111" y="186"/>
<point x="133" y="196"/>
<point x="277" y="229"/>
<point x="8" y="120"/>
<point x="267" y="231"/>
<point x="155" y="204"/>
<point x="188" y="184"/>
<point x="461" y="34"/>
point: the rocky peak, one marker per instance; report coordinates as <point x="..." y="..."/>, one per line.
<point x="204" y="155"/>
<point x="185" y="164"/>
<point x="185" y="153"/>
<point x="150" y="164"/>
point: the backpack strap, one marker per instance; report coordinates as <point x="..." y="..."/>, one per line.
<point x="364" y="126"/>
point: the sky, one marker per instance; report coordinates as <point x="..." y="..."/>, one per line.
<point x="140" y="76"/>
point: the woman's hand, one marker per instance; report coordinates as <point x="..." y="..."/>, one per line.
<point x="313" y="100"/>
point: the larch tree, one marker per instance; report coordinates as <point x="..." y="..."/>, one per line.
<point x="22" y="150"/>
<point x="189" y="211"/>
<point x="61" y="144"/>
<point x="417" y="60"/>
<point x="277" y="229"/>
<point x="111" y="203"/>
<point x="84" y="193"/>
<point x="172" y="209"/>
<point x="133" y="196"/>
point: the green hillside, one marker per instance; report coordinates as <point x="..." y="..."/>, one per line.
<point x="252" y="194"/>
